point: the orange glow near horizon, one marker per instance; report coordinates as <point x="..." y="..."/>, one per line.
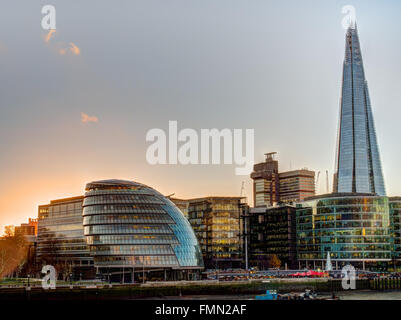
<point x="20" y="199"/>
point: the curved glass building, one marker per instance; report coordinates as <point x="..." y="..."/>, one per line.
<point x="354" y="228"/>
<point x="131" y="228"/>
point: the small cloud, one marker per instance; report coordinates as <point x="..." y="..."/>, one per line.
<point x="85" y="118"/>
<point x="74" y="49"/>
<point x="49" y="35"/>
<point x="60" y="47"/>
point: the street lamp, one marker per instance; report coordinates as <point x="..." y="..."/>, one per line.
<point x="28" y="279"/>
<point x="70" y="279"/>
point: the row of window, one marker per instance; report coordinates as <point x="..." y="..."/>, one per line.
<point x="127" y="218"/>
<point x="346" y="255"/>
<point x="136" y="261"/>
<point x="135" y="208"/>
<point x="132" y="250"/>
<point x="122" y="198"/>
<point x="131" y="239"/>
<point x="126" y="229"/>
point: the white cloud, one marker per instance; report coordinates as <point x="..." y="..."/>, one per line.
<point x="86" y="118"/>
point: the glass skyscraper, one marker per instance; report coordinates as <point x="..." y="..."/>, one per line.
<point x="353" y="223"/>
<point x="358" y="167"/>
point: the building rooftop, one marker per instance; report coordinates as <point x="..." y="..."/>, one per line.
<point x="340" y="195"/>
<point x="76" y="198"/>
<point x="113" y="183"/>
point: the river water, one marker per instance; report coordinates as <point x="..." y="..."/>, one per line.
<point x="348" y="295"/>
<point x="370" y="295"/>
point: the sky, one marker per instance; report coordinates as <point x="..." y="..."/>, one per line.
<point x="76" y="104"/>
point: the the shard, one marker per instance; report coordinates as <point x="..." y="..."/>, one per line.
<point x="358" y="167"/>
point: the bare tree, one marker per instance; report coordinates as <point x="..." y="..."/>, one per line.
<point x="13" y="254"/>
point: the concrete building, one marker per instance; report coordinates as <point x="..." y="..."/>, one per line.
<point x="271" y="186"/>
<point x="27" y="229"/>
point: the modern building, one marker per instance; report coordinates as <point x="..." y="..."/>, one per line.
<point x="395" y="231"/>
<point x="358" y="166"/>
<point x="61" y="241"/>
<point x="353" y="228"/>
<point x="27" y="229"/>
<point x="133" y="230"/>
<point x="181" y="204"/>
<point x="352" y="223"/>
<point x="271" y="186"/>
<point x="216" y="222"/>
<point x="270" y="232"/>
<point x="296" y="185"/>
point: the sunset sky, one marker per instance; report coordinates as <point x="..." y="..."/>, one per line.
<point x="75" y="104"/>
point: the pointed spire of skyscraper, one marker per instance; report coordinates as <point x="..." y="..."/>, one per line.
<point x="358" y="166"/>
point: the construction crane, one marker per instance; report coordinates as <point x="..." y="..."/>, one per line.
<point x="242" y="188"/>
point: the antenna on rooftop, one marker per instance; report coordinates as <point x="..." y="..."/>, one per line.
<point x="242" y="188"/>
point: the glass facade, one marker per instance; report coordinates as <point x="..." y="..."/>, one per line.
<point x="358" y="167"/>
<point x="271" y="232"/>
<point x="216" y="222"/>
<point x="395" y="222"/>
<point x="354" y="228"/>
<point x="61" y="240"/>
<point x="128" y="224"/>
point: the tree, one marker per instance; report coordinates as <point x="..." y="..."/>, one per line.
<point x="13" y="254"/>
<point x="274" y="262"/>
<point x="9" y="231"/>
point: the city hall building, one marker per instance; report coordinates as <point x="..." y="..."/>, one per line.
<point x="123" y="230"/>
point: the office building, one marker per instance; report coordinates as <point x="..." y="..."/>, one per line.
<point x="271" y="186"/>
<point x="395" y="231"/>
<point x="27" y="229"/>
<point x="353" y="223"/>
<point x="271" y="232"/>
<point x="353" y="228"/>
<point x="216" y="223"/>
<point x="61" y="241"/>
<point x="296" y="185"/>
<point x="358" y="166"/>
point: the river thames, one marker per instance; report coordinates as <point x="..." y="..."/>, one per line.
<point x="349" y="295"/>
